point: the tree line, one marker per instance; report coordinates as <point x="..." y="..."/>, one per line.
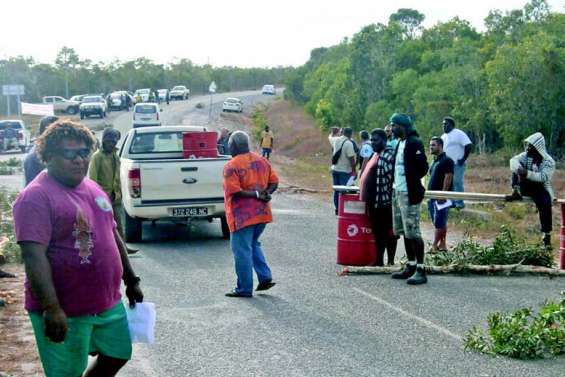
<point x="71" y="75"/>
<point x="500" y="85"/>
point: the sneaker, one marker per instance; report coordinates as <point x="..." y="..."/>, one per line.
<point x="514" y="196"/>
<point x="405" y="273"/>
<point x="265" y="285"/>
<point x="547" y="241"/>
<point x="419" y="277"/>
<point x="235" y="294"/>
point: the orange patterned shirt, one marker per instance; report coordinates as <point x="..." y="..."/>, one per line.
<point x="247" y="172"/>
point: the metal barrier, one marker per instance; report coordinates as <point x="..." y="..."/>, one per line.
<point x="481" y="197"/>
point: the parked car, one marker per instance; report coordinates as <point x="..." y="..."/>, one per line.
<point x="93" y="105"/>
<point x="22" y="140"/>
<point x="78" y="98"/>
<point x="163" y="94"/>
<point x="143" y="94"/>
<point x="159" y="183"/>
<point x="119" y="100"/>
<point x="179" y="92"/>
<point x="233" y="104"/>
<point x="269" y="89"/>
<point x="146" y="114"/>
<point x="61" y="104"/>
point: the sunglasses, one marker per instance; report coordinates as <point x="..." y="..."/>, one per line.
<point x="71" y="154"/>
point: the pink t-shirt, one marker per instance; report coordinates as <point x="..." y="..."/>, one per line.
<point x="78" y="226"/>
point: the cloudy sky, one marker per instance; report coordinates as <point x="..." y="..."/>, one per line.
<point x="242" y="33"/>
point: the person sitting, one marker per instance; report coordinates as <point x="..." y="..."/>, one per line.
<point x="532" y="171"/>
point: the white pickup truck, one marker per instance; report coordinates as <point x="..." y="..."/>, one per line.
<point x="158" y="183"/>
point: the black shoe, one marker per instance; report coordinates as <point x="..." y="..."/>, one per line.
<point x="547" y="241"/>
<point x="419" y="277"/>
<point x="405" y="273"/>
<point x="514" y="196"/>
<point x="265" y="285"/>
<point x="235" y="294"/>
<point x="4" y="274"/>
<point x="132" y="251"/>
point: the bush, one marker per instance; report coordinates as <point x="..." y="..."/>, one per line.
<point x="11" y="250"/>
<point x="522" y="334"/>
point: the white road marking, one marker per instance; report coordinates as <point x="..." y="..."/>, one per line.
<point x="397" y="309"/>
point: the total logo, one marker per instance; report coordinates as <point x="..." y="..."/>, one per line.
<point x="353" y="230"/>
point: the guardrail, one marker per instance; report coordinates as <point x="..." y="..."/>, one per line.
<point x="481" y="197"/>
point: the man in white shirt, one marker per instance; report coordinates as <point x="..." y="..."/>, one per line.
<point x="457" y="146"/>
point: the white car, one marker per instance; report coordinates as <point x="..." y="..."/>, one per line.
<point x="62" y="104"/>
<point x="269" y="89"/>
<point x="163" y="94"/>
<point x="23" y="135"/>
<point x="92" y="105"/>
<point x="233" y="104"/>
<point x="179" y="92"/>
<point x="146" y="114"/>
<point x="144" y="94"/>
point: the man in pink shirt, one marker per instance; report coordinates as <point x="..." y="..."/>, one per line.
<point x="74" y="260"/>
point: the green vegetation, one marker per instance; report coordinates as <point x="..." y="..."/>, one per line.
<point x="10" y="166"/>
<point x="83" y="76"/>
<point x="500" y="85"/>
<point x="259" y="122"/>
<point x="522" y="334"/>
<point x="11" y="250"/>
<point x="507" y="248"/>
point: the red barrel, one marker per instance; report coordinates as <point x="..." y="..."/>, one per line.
<point x="355" y="240"/>
<point x="562" y="239"/>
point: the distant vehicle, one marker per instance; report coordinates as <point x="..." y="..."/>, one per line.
<point x="269" y="89"/>
<point x="78" y="98"/>
<point x="22" y="140"/>
<point x="179" y="92"/>
<point x="61" y="104"/>
<point x="93" y="105"/>
<point x="118" y="100"/>
<point x="159" y="183"/>
<point x="144" y="94"/>
<point x="146" y="114"/>
<point x="163" y="94"/>
<point x="233" y="104"/>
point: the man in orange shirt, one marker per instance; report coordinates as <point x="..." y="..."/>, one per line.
<point x="249" y="182"/>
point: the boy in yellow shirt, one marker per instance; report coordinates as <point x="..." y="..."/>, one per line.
<point x="267" y="141"/>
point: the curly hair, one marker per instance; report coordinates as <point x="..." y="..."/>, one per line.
<point x="51" y="140"/>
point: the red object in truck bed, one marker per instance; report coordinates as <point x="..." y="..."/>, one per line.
<point x="200" y="144"/>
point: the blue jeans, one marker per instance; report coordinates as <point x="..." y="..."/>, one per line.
<point x="439" y="218"/>
<point x="248" y="255"/>
<point x="458" y="178"/>
<point x="339" y="179"/>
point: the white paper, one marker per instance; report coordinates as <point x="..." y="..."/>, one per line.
<point x="350" y="181"/>
<point x="446" y="204"/>
<point x="141" y="322"/>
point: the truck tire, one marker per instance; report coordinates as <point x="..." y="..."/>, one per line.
<point x="72" y="110"/>
<point x="81" y="115"/>
<point x="133" y="229"/>
<point x="225" y="228"/>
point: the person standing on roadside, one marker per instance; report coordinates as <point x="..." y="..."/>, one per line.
<point x="532" y="171"/>
<point x="457" y="146"/>
<point x="104" y="169"/>
<point x="249" y="182"/>
<point x="335" y="134"/>
<point x="10" y="137"/>
<point x="391" y="140"/>
<point x="410" y="166"/>
<point x="366" y="150"/>
<point x="267" y="142"/>
<point x="32" y="164"/>
<point x="74" y="260"/>
<point x="376" y="191"/>
<point x="223" y="141"/>
<point x="343" y="160"/>
<point x="441" y="179"/>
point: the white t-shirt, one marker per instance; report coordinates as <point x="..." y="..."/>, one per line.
<point x="454" y="144"/>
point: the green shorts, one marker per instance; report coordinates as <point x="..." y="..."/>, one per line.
<point x="406" y="216"/>
<point x="106" y="333"/>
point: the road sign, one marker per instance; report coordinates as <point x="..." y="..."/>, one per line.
<point x="212" y="87"/>
<point x="13" y="90"/>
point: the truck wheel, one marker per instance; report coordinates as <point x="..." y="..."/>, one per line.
<point x="81" y="116"/>
<point x="225" y="228"/>
<point x="72" y="110"/>
<point x="132" y="228"/>
<point x="23" y="148"/>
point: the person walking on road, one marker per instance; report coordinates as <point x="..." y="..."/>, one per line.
<point x="343" y="162"/>
<point x="457" y="146"/>
<point x="410" y="166"/>
<point x="32" y="164"/>
<point x="532" y="172"/>
<point x="104" y="169"/>
<point x="376" y="191"/>
<point x="249" y="182"/>
<point x="267" y="142"/>
<point x="74" y="260"/>
<point x="441" y="179"/>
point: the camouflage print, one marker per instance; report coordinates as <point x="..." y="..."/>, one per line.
<point x="406" y="216"/>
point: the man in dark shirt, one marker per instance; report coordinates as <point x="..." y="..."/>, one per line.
<point x="32" y="164"/>
<point x="441" y="179"/>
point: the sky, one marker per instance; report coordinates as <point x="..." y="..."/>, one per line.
<point x="244" y="33"/>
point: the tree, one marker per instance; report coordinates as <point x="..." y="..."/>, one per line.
<point x="67" y="59"/>
<point x="410" y="20"/>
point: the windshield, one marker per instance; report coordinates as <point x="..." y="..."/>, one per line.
<point x="116" y="95"/>
<point x="162" y="142"/>
<point x="179" y="88"/>
<point x="92" y="99"/>
<point x="232" y="100"/>
<point x="145" y="109"/>
<point x="142" y="91"/>
<point x="15" y="125"/>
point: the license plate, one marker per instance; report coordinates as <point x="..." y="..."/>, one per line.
<point x="192" y="211"/>
<point x="145" y="118"/>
